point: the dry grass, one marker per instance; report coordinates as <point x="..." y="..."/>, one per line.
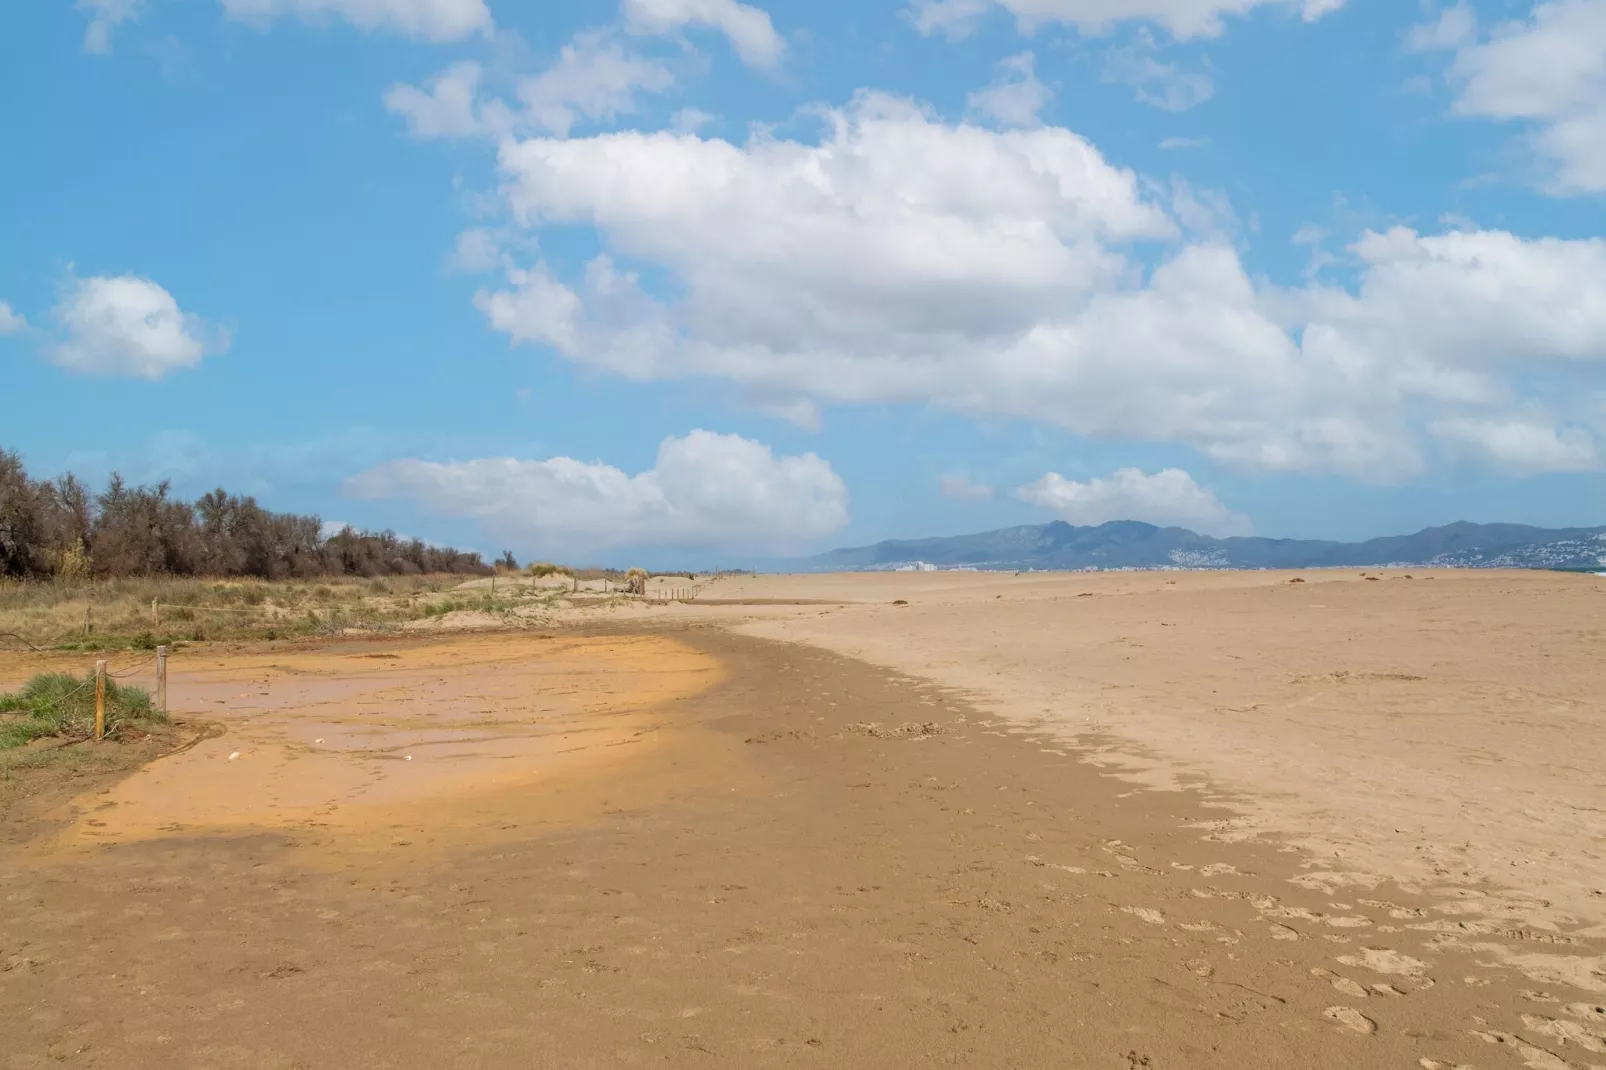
<point x="117" y="614"/>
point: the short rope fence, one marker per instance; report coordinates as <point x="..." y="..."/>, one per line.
<point x="156" y="662"/>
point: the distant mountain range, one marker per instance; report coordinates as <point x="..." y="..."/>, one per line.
<point x="1131" y="544"/>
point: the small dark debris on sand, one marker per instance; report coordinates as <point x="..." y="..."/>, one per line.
<point x="907" y="730"/>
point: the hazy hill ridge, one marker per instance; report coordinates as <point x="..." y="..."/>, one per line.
<point x="1132" y="544"/>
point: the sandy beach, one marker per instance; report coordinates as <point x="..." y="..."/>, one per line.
<point x="1119" y="820"/>
<point x="1440" y="728"/>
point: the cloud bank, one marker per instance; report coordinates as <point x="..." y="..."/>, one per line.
<point x="1011" y="274"/>
<point x="706" y="491"/>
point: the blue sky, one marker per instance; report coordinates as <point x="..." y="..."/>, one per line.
<point x="671" y="280"/>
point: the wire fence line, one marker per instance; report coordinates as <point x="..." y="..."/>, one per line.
<point x="207" y="609"/>
<point x="133" y="667"/>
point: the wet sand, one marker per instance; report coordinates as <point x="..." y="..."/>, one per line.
<point x="1445" y="729"/>
<point x="349" y="740"/>
<point x="810" y="860"/>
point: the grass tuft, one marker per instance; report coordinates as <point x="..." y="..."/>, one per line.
<point x="63" y="706"/>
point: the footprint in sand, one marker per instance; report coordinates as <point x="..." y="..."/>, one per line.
<point x="1565" y="1032"/>
<point x="1434" y="1064"/>
<point x="1350" y="1019"/>
<point x="1587" y="1012"/>
<point x="1341" y="983"/>
<point x="1532" y="1056"/>
<point x="1385" y="960"/>
<point x="1395" y="910"/>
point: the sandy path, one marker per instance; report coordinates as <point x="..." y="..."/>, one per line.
<point x="821" y="864"/>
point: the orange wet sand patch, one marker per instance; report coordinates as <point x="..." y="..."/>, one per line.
<point x="354" y="739"/>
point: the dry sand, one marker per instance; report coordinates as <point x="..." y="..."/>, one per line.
<point x="1067" y="821"/>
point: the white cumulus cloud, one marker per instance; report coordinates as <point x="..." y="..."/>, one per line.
<point x="1169" y="498"/>
<point x="1547" y="70"/>
<point x="1001" y="273"/>
<point x="594" y="78"/>
<point x="1016" y="97"/>
<point x="129" y="326"/>
<point x="706" y="491"/>
<point x="478" y="250"/>
<point x="11" y="321"/>
<point x="1455" y="26"/>
<point x="432" y="20"/>
<point x="447" y="105"/>
<point x="1181" y="18"/>
<point x="891" y="216"/>
<point x="538" y="308"/>
<point x="748" y="28"/>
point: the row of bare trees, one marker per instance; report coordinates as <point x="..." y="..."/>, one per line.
<point x="60" y="529"/>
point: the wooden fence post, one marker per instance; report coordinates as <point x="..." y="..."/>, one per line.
<point x="100" y="699"/>
<point x="89" y="620"/>
<point x="156" y="618"/>
<point x="161" y="678"/>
